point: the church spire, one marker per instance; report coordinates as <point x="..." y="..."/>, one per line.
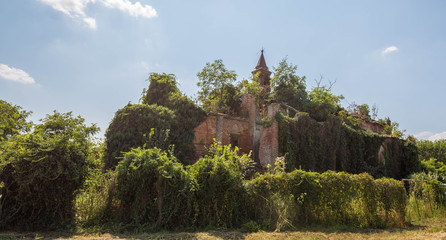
<point x="265" y="74"/>
<point x="261" y="64"/>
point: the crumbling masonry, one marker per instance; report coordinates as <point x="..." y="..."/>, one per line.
<point x="247" y="132"/>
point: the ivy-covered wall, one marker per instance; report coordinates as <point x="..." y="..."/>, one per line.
<point x="333" y="145"/>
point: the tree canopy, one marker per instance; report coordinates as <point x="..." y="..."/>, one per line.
<point x="12" y="120"/>
<point x="288" y="87"/>
<point x="165" y="112"/>
<point x="216" y="81"/>
<point x="42" y="170"/>
<point x="323" y="103"/>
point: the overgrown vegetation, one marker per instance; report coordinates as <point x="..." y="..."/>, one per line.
<point x="142" y="178"/>
<point x="432" y="149"/>
<point x="334" y="145"/>
<point x="165" y="118"/>
<point x="41" y="171"/>
<point x="303" y="198"/>
<point x="427" y="199"/>
<point x="215" y="193"/>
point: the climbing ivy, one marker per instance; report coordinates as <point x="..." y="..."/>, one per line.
<point x="41" y="172"/>
<point x="164" y="109"/>
<point x="333" y="145"/>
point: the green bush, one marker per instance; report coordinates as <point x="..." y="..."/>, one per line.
<point x="131" y="127"/>
<point x="302" y="198"/>
<point x="427" y="199"/>
<point x="95" y="202"/>
<point x="429" y="149"/>
<point x="163" y="91"/>
<point x="434" y="168"/>
<point x="154" y="190"/>
<point x="220" y="198"/>
<point x="41" y="172"/>
<point x="165" y="115"/>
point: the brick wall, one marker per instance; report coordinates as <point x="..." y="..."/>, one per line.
<point x="269" y="138"/>
<point x="225" y="129"/>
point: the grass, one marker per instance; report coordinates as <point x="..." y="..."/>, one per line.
<point x="428" y="229"/>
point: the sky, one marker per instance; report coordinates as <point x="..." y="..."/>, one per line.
<point x="93" y="57"/>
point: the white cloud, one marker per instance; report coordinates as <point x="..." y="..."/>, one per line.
<point x="146" y="66"/>
<point x="15" y="75"/>
<point x="76" y="9"/>
<point x="149" y="67"/>
<point x="423" y="135"/>
<point x="91" y="22"/>
<point x="437" y="136"/>
<point x="389" y="50"/>
<point x="430" y="136"/>
<point x="135" y="9"/>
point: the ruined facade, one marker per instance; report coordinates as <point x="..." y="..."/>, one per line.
<point x="246" y="132"/>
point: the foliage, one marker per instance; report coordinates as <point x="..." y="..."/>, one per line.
<point x="42" y="170"/>
<point x="432" y="149"/>
<point x="161" y="87"/>
<point x="350" y="120"/>
<point x="131" y="127"/>
<point x="254" y="88"/>
<point x="94" y="204"/>
<point x="13" y="120"/>
<point x="302" y="198"/>
<point x="360" y="111"/>
<point x="332" y="145"/>
<point x="165" y="118"/>
<point x="187" y="117"/>
<point x="435" y="168"/>
<point x="427" y="199"/>
<point x="288" y="87"/>
<point x="216" y="87"/>
<point x="153" y="189"/>
<point x="164" y="92"/>
<point x="391" y="128"/>
<point x="323" y="103"/>
<point x="95" y="201"/>
<point x="220" y="198"/>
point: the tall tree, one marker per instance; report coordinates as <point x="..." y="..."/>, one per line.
<point x="12" y="120"/>
<point x="287" y="86"/>
<point x="214" y="80"/>
<point x="323" y="103"/>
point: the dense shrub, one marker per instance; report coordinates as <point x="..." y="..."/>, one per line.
<point x="432" y="149"/>
<point x="301" y="198"/>
<point x="41" y="172"/>
<point x="95" y="201"/>
<point x="165" y="118"/>
<point x="154" y="190"/>
<point x="435" y="168"/>
<point x="220" y="198"/>
<point x="427" y="199"/>
<point x="131" y="127"/>
<point x="163" y="91"/>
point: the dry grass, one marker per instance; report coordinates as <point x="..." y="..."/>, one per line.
<point x="433" y="229"/>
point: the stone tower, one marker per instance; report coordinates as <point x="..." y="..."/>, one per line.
<point x="265" y="74"/>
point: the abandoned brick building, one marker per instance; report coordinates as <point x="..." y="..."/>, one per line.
<point x="247" y="132"/>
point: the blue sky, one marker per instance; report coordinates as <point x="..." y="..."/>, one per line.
<point x="92" y="57"/>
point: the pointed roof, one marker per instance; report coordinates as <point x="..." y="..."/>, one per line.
<point x="261" y="64"/>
